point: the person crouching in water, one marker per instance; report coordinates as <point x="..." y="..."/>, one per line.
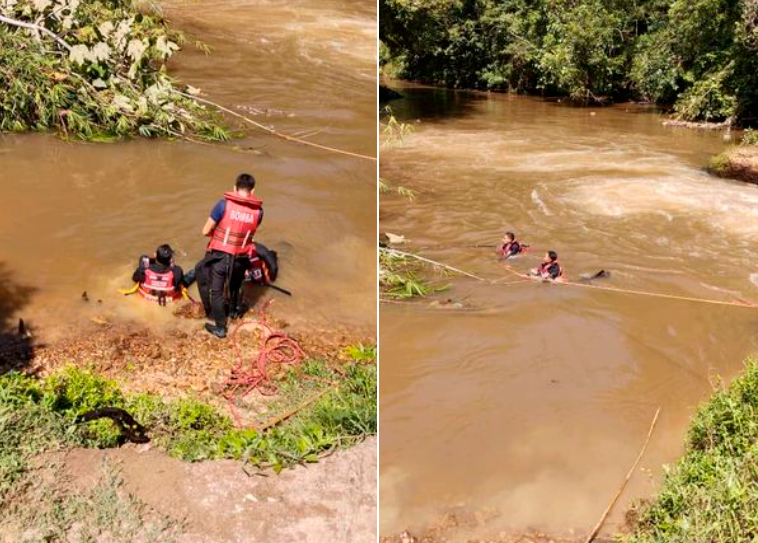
<point x="231" y="227"/>
<point x="159" y="279"/>
<point x="550" y="269"/>
<point x="510" y="247"/>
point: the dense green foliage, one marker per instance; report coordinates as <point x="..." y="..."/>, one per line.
<point x="699" y="57"/>
<point x="712" y="493"/>
<point x="95" y="71"/>
<point x="40" y="415"/>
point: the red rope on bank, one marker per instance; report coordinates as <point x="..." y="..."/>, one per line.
<point x="276" y="347"/>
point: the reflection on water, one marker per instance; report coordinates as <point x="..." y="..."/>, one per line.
<point x="75" y="217"/>
<point x="536" y="402"/>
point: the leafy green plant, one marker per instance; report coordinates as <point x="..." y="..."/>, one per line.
<point x="361" y="352"/>
<point x="398" y="277"/>
<point x="393" y="130"/>
<point x="750" y="137"/>
<point x="95" y="71"/>
<point x="385" y="187"/>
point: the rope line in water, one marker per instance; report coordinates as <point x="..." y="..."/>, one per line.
<point x="629" y="474"/>
<point x="523" y="278"/>
<point x="744" y="304"/>
<point x="739" y="303"/>
<point x="276" y="133"/>
<point x="434" y="262"/>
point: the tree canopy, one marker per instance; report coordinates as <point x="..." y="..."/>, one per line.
<point x="698" y="57"/>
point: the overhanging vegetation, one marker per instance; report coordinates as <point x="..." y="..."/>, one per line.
<point x="94" y="70"/>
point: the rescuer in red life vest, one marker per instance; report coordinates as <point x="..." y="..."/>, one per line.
<point x="231" y="227"/>
<point x="510" y="247"/>
<point x="550" y="269"/>
<point x="158" y="278"/>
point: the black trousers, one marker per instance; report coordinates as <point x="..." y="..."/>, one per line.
<point x="219" y="281"/>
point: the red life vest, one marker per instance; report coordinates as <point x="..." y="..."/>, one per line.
<point x="545" y="269"/>
<point x="159" y="287"/>
<point x="234" y="233"/>
<point x="259" y="272"/>
<point x="506" y="248"/>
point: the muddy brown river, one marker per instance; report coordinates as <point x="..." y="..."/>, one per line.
<point x="76" y="217"/>
<point x="531" y="404"/>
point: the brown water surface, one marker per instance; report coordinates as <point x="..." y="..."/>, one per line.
<point x="536" y="400"/>
<point x="75" y="216"/>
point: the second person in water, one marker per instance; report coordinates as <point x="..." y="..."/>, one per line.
<point x="550" y="269"/>
<point x="231" y="227"/>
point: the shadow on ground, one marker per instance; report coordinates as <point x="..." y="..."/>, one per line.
<point x="16" y="340"/>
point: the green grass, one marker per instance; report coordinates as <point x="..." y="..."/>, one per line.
<point x="711" y="494"/>
<point x="40" y="415"/>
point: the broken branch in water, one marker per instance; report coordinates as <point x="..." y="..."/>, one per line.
<point x="274" y="132"/>
<point x="433" y="262"/>
<point x="37" y="28"/>
<point x="599" y="525"/>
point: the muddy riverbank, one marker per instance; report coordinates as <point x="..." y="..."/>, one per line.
<point x="535" y="397"/>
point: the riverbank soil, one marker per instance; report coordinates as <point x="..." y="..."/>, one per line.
<point x="181" y="359"/>
<point x="739" y="163"/>
<point x="209" y="502"/>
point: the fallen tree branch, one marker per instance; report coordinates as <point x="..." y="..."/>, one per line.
<point x="274" y="132"/>
<point x="36" y="28"/>
<point x="599" y="525"/>
<point x="433" y="262"/>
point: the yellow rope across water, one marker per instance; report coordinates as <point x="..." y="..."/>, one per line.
<point x="524" y="278"/>
<point x="661" y="295"/>
<point x="278" y="134"/>
<point x="740" y="303"/>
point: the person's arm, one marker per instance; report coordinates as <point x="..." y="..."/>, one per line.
<point x="139" y="274"/>
<point x="217" y="213"/>
<point x="554" y="271"/>
<point x="178" y="278"/>
<point x="210" y="226"/>
<point x="260" y="217"/>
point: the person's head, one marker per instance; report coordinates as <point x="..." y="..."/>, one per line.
<point x="510" y="236"/>
<point x="552" y="256"/>
<point x="245" y="184"/>
<point x="164" y="255"/>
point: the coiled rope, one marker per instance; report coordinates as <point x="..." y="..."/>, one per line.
<point x="275" y="347"/>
